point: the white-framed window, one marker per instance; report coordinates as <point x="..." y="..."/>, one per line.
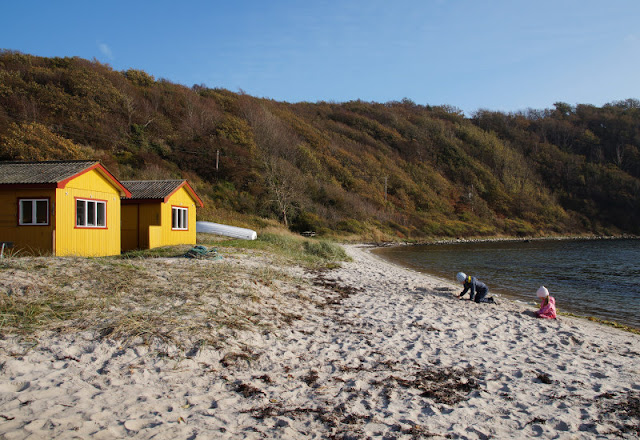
<point x="33" y="212"/>
<point x="91" y="213"/>
<point x="179" y="218"/>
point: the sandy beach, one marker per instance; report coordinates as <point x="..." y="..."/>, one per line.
<point x="367" y="350"/>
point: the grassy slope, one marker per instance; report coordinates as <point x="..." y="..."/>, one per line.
<point x="161" y="296"/>
<point x="372" y="171"/>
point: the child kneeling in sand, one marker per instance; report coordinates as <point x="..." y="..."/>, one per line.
<point x="477" y="289"/>
<point x="548" y="304"/>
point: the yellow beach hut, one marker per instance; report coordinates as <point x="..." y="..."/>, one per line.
<point x="158" y="213"/>
<point x="60" y="208"/>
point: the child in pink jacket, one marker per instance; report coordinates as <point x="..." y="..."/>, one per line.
<point x="548" y="305"/>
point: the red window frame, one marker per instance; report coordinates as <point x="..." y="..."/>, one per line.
<point x="186" y="219"/>
<point x="85" y="226"/>
<point x="34" y="199"/>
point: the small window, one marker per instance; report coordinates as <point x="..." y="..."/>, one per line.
<point x="91" y="213"/>
<point x="101" y="214"/>
<point x="179" y="219"/>
<point x="33" y="212"/>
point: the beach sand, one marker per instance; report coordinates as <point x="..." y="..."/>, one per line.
<point x="373" y="351"/>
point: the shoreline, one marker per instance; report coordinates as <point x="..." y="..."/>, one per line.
<point x="372" y="350"/>
<point x="440" y="241"/>
<point x="631" y="327"/>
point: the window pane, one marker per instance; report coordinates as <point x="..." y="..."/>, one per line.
<point x="102" y="218"/>
<point x="80" y="216"/>
<point x="174" y="218"/>
<point x="26" y="211"/>
<point x="42" y="206"/>
<point x="91" y="213"/>
<point x="184" y="219"/>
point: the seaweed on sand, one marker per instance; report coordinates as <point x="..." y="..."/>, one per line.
<point x="342" y="291"/>
<point x="443" y="385"/>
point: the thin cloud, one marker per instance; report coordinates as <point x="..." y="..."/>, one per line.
<point x="106" y="50"/>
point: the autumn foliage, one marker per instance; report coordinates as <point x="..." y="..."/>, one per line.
<point x="371" y="170"/>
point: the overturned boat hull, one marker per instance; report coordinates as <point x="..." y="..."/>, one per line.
<point x="226" y="230"/>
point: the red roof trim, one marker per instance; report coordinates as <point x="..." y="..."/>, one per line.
<point x="102" y="170"/>
<point x="63" y="183"/>
<point x="189" y="190"/>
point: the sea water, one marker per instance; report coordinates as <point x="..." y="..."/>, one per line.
<point x="599" y="278"/>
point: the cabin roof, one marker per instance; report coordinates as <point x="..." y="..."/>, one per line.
<point x="151" y="189"/>
<point x="157" y="189"/>
<point x="52" y="173"/>
<point x="42" y="172"/>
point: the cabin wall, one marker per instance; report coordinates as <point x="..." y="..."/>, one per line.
<point x="130" y="227"/>
<point x="34" y="239"/>
<point x="150" y="215"/>
<point x="87" y="241"/>
<point x="182" y="199"/>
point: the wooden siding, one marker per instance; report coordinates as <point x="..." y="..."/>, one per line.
<point x="183" y="199"/>
<point x="137" y="219"/>
<point x="147" y="222"/>
<point x="36" y="239"/>
<point x="130" y="227"/>
<point x="155" y="237"/>
<point x="87" y="241"/>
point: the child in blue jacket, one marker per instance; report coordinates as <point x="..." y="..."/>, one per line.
<point x="477" y="289"/>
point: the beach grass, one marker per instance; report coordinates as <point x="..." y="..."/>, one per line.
<point x="158" y="296"/>
<point x="291" y="249"/>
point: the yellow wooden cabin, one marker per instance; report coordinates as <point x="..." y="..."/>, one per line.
<point x="158" y="213"/>
<point x="60" y="208"/>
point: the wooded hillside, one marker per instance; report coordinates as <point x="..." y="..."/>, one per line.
<point x="375" y="170"/>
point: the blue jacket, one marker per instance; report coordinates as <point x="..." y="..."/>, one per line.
<point x="477" y="288"/>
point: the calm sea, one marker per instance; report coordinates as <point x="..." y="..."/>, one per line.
<point x="599" y="278"/>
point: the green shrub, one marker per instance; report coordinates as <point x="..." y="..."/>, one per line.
<point x="307" y="221"/>
<point x="350" y="225"/>
<point x="293" y="248"/>
<point x="518" y="227"/>
<point x="325" y="250"/>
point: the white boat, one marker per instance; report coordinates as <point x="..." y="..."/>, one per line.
<point x="226" y="230"/>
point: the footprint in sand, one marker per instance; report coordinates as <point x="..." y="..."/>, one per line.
<point x="14" y="387"/>
<point x="136" y="425"/>
<point x="563" y="426"/>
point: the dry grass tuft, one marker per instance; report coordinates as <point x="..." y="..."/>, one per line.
<point x="158" y="297"/>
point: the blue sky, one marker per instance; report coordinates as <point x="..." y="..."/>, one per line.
<point x="505" y="55"/>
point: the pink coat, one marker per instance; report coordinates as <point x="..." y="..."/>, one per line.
<point x="548" y="310"/>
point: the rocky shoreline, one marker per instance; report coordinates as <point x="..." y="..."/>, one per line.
<point x="503" y="239"/>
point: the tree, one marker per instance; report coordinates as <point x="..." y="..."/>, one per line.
<point x="284" y="184"/>
<point x="563" y="109"/>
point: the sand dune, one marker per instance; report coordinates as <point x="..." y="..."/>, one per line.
<point x="378" y="352"/>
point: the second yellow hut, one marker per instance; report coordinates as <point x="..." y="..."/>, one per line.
<point x="158" y="213"/>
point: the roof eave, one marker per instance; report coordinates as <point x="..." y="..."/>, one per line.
<point x="102" y="170"/>
<point x="190" y="190"/>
